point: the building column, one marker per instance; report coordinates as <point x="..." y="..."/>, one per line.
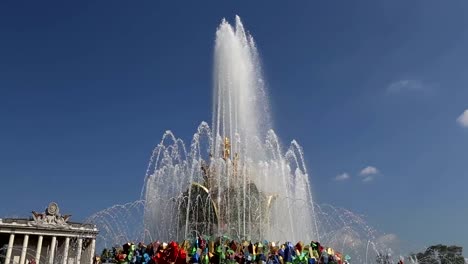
<point x="78" y="251"/>
<point x="93" y="250"/>
<point x="24" y="249"/>
<point x="10" y="248"/>
<point x="52" y="250"/>
<point x="65" y="250"/>
<point x="39" y="249"/>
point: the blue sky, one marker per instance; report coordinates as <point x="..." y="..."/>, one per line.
<point x="88" y="88"/>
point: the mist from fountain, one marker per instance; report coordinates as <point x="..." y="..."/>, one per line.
<point x="340" y="229"/>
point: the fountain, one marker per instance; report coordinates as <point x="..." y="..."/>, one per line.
<point x="234" y="178"/>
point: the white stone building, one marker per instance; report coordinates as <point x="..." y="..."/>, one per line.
<point x="46" y="238"/>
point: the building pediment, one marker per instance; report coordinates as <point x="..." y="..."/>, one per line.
<point x="51" y="218"/>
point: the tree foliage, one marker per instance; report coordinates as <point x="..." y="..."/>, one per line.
<point x="440" y="254"/>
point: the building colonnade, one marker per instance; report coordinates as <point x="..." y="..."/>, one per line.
<point x="51" y="256"/>
<point x="48" y="238"/>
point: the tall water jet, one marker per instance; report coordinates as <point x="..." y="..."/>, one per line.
<point x="240" y="107"/>
<point x="234" y="179"/>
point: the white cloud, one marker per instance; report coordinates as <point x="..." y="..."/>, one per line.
<point x="368" y="178"/>
<point x="368" y="173"/>
<point x="406" y="85"/>
<point x="342" y="177"/>
<point x="463" y="119"/>
<point x="369" y="170"/>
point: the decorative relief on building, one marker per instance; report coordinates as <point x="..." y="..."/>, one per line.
<point x="51" y="217"/>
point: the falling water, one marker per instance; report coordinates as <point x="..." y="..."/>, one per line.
<point x="234" y="179"/>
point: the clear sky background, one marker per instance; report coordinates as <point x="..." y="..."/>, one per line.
<point x="88" y="88"/>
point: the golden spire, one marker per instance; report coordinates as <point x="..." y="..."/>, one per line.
<point x="227" y="148"/>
